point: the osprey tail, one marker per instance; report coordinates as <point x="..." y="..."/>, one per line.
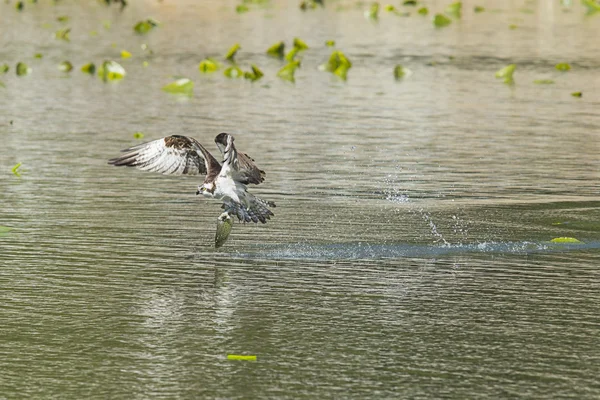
<point x="257" y="210"/>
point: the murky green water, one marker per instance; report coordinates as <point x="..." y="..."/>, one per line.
<point x="409" y="254"/>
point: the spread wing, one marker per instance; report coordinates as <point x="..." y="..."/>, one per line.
<point x="171" y="155"/>
<point x="241" y="165"/>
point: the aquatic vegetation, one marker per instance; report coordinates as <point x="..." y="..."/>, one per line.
<point x="125" y="54"/>
<point x="330" y="43"/>
<point x="512" y="27"/>
<point x="300" y="44"/>
<point x="423" y="11"/>
<point x="138" y="135"/>
<point x="440" y="20"/>
<point x="233" y="72"/>
<point x="4" y="68"/>
<point x="591" y="6"/>
<point x="65" y="66"/>
<point x="373" y="11"/>
<point x="63" y="34"/>
<point x="89" y="68"/>
<point x="506" y="73"/>
<point x="232" y="52"/>
<point x="15" y="169"/>
<point x="277" y="50"/>
<point x="455" y="9"/>
<point x="208" y="65"/>
<point x="145" y="26"/>
<point x="401" y="72"/>
<point x="63" y="18"/>
<point x="543" y="81"/>
<point x="19" y="6"/>
<point x="568" y="240"/>
<point x="311" y="4"/>
<point x="577" y="94"/>
<point x="288" y="71"/>
<point x="180" y="86"/>
<point x="254" y="74"/>
<point x="291" y="55"/>
<point x="111" y="71"/>
<point x="478" y="9"/>
<point x="409" y="3"/>
<point x="338" y="64"/>
<point x="22" y="69"/>
<point x="562" y="67"/>
<point x="39" y="56"/>
<point x="241" y="357"/>
<point x="242" y="8"/>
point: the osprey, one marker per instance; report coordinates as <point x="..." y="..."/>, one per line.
<point x="182" y="155"/>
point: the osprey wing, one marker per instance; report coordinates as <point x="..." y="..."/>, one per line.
<point x="171" y="155"/>
<point x="241" y="165"/>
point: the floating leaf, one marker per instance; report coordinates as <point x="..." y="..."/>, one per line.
<point x="300" y="44"/>
<point x="479" y="9"/>
<point x="455" y="9"/>
<point x="563" y="67"/>
<point x="401" y="72"/>
<point x="566" y="240"/>
<point x="106" y="24"/>
<point x="111" y="70"/>
<point x="591" y="6"/>
<point x="208" y="65"/>
<point x="292" y="54"/>
<point x="277" y="50"/>
<point x="506" y="73"/>
<point x="63" y="18"/>
<point x="22" y="69"/>
<point x="4" y="230"/>
<point x="19" y="5"/>
<point x="15" y="169"/>
<point x="409" y="3"/>
<point x="63" y="34"/>
<point x="441" y="20"/>
<point x="338" y="64"/>
<point x="2" y="85"/>
<point x="138" y="135"/>
<point x="65" y="66"/>
<point x="4" y="68"/>
<point x="145" y="26"/>
<point x="423" y="11"/>
<point x="577" y="94"/>
<point x="512" y="27"/>
<point x="240" y="357"/>
<point x="288" y="71"/>
<point x="38" y="56"/>
<point x="330" y="43"/>
<point x="233" y="72"/>
<point x="373" y="11"/>
<point x="145" y="64"/>
<point x="89" y="68"/>
<point x="125" y="54"/>
<point x="232" y="51"/>
<point x="390" y="8"/>
<point x="543" y="81"/>
<point x="253" y="75"/>
<point x="242" y="8"/>
<point x="181" y="86"/>
<point x="224" y="224"/>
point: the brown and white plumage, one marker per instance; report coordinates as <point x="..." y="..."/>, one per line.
<point x="182" y="155"/>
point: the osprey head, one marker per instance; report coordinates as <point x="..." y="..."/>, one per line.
<point x="207" y="189"/>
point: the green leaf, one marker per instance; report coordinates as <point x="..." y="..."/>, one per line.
<point x="22" y="69"/>
<point x="330" y="43"/>
<point x="240" y="357"/>
<point x="292" y="54"/>
<point x="543" y="81"/>
<point x="2" y="85"/>
<point x="125" y="54"/>
<point x="111" y="71"/>
<point x="138" y="135"/>
<point x="4" y="230"/>
<point x="300" y="44"/>
<point x="441" y="20"/>
<point x="180" y="86"/>
<point x="38" y="56"/>
<point x="479" y="9"/>
<point x="277" y="50"/>
<point x="15" y="169"/>
<point x="208" y="65"/>
<point x="338" y="64"/>
<point x="455" y="9"/>
<point x="4" y="68"/>
<point x="506" y="73"/>
<point x="409" y="3"/>
<point x="106" y="24"/>
<point x="373" y="11"/>
<point x="591" y="6"/>
<point x="390" y="8"/>
<point x="423" y="11"/>
<point x="63" y="34"/>
<point x="63" y="18"/>
<point x="566" y="240"/>
<point x="401" y="72"/>
<point x="19" y="6"/>
<point x="512" y="27"/>
<point x="233" y="72"/>
<point x="145" y="26"/>
<point x="242" y="8"/>
<point x="288" y="71"/>
<point x="89" y="68"/>
<point x="253" y="75"/>
<point x="65" y="66"/>
<point x="577" y="94"/>
<point x="232" y="51"/>
<point x="563" y="67"/>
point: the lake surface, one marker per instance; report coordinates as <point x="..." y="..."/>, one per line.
<point x="410" y="253"/>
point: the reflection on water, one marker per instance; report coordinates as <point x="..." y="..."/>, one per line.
<point x="410" y="252"/>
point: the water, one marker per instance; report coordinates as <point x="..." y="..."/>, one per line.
<point x="410" y="252"/>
